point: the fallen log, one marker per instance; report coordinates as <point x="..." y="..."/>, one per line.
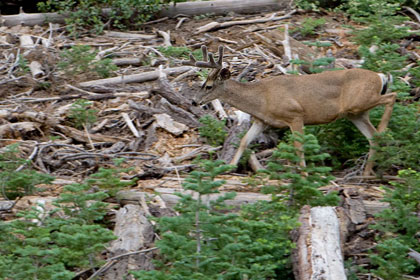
<point x="135" y="78"/>
<point x="172" y="10"/>
<point x="134" y="233"/>
<point x="318" y="254"/>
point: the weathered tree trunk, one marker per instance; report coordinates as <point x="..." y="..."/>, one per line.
<point x="187" y="8"/>
<point x="134" y="233"/>
<point x="318" y="254"/>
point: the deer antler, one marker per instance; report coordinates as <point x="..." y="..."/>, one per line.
<point x="208" y="61"/>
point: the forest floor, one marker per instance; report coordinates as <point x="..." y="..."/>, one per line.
<point x="36" y="111"/>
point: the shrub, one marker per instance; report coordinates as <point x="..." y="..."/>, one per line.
<point x="398" y="226"/>
<point x="296" y="190"/>
<point x="213" y="130"/>
<point x="81" y="115"/>
<point x="17" y="183"/>
<point x="204" y="243"/>
<point x="45" y="245"/>
<point x="80" y="59"/>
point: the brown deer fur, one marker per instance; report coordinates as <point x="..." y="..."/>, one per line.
<point x="294" y="101"/>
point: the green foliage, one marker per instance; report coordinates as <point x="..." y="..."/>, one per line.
<point x="399" y="146"/>
<point x="204" y="243"/>
<point x="399" y="227"/>
<point x="81" y="59"/>
<point x="81" y="115"/>
<point x="213" y="130"/>
<point x="108" y="179"/>
<point x="23" y="64"/>
<point x="299" y="190"/>
<point x="51" y="245"/>
<point x="88" y="14"/>
<point x="14" y="183"/>
<point x="381" y="31"/>
<point x="385" y="59"/>
<point x="180" y="52"/>
<point x="309" y="26"/>
<point x="320" y="65"/>
<point x="364" y="10"/>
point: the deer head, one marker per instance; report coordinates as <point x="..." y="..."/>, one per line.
<point x="210" y="89"/>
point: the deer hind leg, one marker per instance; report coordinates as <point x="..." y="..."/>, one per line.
<point x="363" y="123"/>
<point x="389" y="101"/>
<point x="256" y="128"/>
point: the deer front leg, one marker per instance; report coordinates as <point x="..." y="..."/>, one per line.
<point x="256" y="128"/>
<point x="297" y="126"/>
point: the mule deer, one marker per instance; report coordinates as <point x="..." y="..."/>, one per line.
<point x="293" y="101"/>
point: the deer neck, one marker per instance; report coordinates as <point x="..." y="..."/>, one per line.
<point x="242" y="96"/>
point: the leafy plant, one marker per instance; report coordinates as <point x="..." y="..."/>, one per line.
<point x="213" y="130"/>
<point x="23" y="64"/>
<point x="399" y="227"/>
<point x="81" y="59"/>
<point x="108" y="179"/>
<point x="309" y="26"/>
<point x="180" y="52"/>
<point x="81" y="115"/>
<point x="51" y="245"/>
<point x="14" y="182"/>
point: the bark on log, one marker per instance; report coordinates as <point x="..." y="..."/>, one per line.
<point x="318" y="254"/>
<point x="134" y="233"/>
<point x="187" y="8"/>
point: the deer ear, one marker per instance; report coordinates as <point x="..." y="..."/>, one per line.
<point x="225" y="74"/>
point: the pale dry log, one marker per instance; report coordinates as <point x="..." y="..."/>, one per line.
<point x="127" y="61"/>
<point x="134" y="233"/>
<point x="135" y="78"/>
<point x="167" y="123"/>
<point x="318" y="254"/>
<point x="26" y="41"/>
<point x="172" y="10"/>
<point x="130" y="36"/>
<point x="169" y="197"/>
<point x="17" y="130"/>
<point x="223" y="7"/>
<point x="81" y="136"/>
<point x="130" y="124"/>
<point x="217" y="25"/>
<point x="31" y="19"/>
<point x="178" y="113"/>
<point x="36" y="69"/>
<point x="166" y="37"/>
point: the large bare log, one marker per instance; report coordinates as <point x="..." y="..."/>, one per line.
<point x="169" y="197"/>
<point x="222" y="7"/>
<point x="187" y="8"/>
<point x="135" y="78"/>
<point x="134" y="233"/>
<point x="318" y="254"/>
